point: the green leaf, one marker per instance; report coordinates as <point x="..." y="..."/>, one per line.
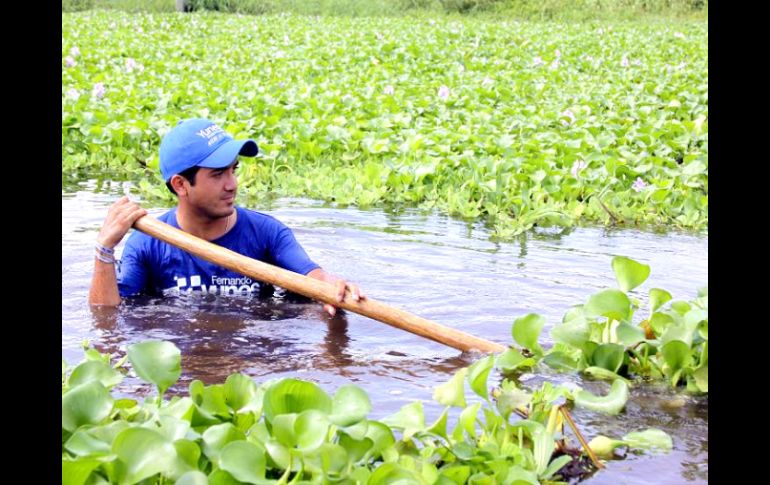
<point x="193" y="477"/>
<point x="609" y="356"/>
<point x="350" y="405"/>
<point x="629" y="273"/>
<point x="381" y="436"/>
<point x="439" y="426"/>
<point x="649" y="439"/>
<point x="602" y="373"/>
<point x="613" y="304"/>
<point x="410" y="419"/>
<point x="629" y="335"/>
<point x="544" y="445"/>
<point x="452" y="393"/>
<point x="612" y="403"/>
<point x="456" y="473"/>
<point x="574" y="332"/>
<point x="181" y="408"/>
<point x="658" y="298"/>
<point x="561" y="361"/>
<point x="76" y="472"/>
<point x="391" y="473"/>
<point x="294" y="396"/>
<point x="187" y="455"/>
<point x="511" y="359"/>
<point x="677" y="332"/>
<point x="467" y="422"/>
<point x="703" y="330"/>
<point x="556" y="465"/>
<point x="87" y="403"/>
<point x="526" y="331"/>
<point x="144" y="452"/>
<point x="170" y="427"/>
<point x="155" y="361"/>
<point x="701" y="376"/>
<point x="519" y="476"/>
<point x="244" y="460"/>
<point x="239" y="392"/>
<point x="356" y="449"/>
<point x="660" y="322"/>
<point x="217" y="437"/>
<point x="93" y="370"/>
<point x="84" y="443"/>
<point x="221" y="477"/>
<point x="210" y="399"/>
<point x="356" y="431"/>
<point x="677" y="355"/>
<point x="310" y="429"/>
<point x="509" y="398"/>
<point x="478" y="373"/>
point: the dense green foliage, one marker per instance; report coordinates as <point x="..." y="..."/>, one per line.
<point x="519" y="123"/>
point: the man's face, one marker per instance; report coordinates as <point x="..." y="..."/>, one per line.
<point x="214" y="191"/>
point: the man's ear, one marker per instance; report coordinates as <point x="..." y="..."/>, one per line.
<point x="179" y="184"/>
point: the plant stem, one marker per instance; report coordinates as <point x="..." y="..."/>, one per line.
<point x="580" y="438"/>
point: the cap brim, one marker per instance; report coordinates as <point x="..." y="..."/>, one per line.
<point x="225" y="155"/>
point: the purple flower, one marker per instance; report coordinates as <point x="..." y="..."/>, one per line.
<point x="487" y="82"/>
<point x="389" y="90"/>
<point x="557" y="53"/>
<point x="537" y="61"/>
<point x="443" y="92"/>
<point x="74" y="52"/>
<point x="98" y="91"/>
<point x="281" y="84"/>
<point x="624" y="62"/>
<point x="577" y="167"/>
<point x="567" y="114"/>
<point x="130" y="64"/>
<point x="639" y="184"/>
<point x="554" y="64"/>
<point x="679" y="35"/>
<point x="69" y="61"/>
<point x="73" y="94"/>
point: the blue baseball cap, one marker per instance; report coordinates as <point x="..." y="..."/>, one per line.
<point x="199" y="142"/>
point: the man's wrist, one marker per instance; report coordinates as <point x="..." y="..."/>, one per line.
<point x="106" y="246"/>
<point x="104" y="254"/>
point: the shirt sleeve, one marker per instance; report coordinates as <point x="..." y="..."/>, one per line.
<point x="132" y="269"/>
<point x="288" y="253"/>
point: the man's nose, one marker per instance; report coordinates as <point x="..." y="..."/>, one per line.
<point x="231" y="183"/>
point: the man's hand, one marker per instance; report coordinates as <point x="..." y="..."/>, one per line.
<point x="340" y="285"/>
<point x="120" y="217"/>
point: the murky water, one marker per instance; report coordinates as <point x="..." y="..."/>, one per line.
<point x="436" y="267"/>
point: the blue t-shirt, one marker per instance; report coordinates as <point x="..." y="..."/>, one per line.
<point x="153" y="267"/>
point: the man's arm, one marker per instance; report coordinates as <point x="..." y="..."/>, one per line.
<point x="104" y="284"/>
<point x="340" y="285"/>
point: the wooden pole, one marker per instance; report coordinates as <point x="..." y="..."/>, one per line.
<point x="312" y="288"/>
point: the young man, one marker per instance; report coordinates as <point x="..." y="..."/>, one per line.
<point x="198" y="161"/>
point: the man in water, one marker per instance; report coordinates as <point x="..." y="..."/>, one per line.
<point x="198" y="161"/>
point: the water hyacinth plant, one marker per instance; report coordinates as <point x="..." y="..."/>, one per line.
<point x="603" y="339"/>
<point x="518" y="123"/>
<point x="289" y="430"/>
